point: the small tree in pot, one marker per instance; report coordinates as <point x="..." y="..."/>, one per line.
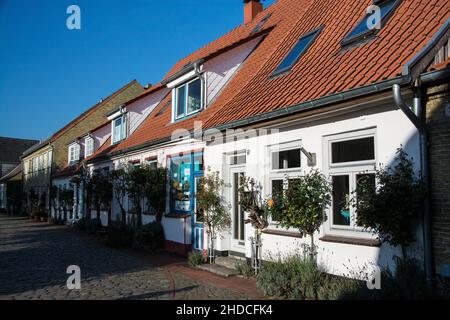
<point x="136" y="187"/>
<point x="213" y="208"/>
<point x="155" y="190"/>
<point x="305" y="201"/>
<point x="391" y="208"/>
<point x="119" y="181"/>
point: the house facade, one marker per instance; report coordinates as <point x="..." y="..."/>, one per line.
<point x="301" y="85"/>
<point x="10" y="151"/>
<point x="50" y="157"/>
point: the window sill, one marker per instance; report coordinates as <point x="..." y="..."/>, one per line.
<point x="282" y="233"/>
<point x="352" y="241"/>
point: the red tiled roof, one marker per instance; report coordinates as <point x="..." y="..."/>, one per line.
<point x="83" y="116"/>
<point x="326" y="68"/>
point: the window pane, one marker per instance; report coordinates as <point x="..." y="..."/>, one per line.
<point x="286" y="159"/>
<point x="362" y="27"/>
<point x="198" y="162"/>
<point x="180" y="171"/>
<point x="353" y="150"/>
<point x="295" y="53"/>
<point x="194" y="96"/>
<point x="181" y="101"/>
<point x="341" y="206"/>
<point x="277" y="192"/>
<point x="117" y="129"/>
<point x="238" y="159"/>
<point x="368" y="179"/>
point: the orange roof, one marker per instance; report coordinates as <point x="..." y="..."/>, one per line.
<point x="325" y="69"/>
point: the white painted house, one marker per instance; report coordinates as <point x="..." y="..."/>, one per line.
<point x="300" y="85"/>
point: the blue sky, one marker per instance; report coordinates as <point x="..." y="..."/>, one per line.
<point x="49" y="74"/>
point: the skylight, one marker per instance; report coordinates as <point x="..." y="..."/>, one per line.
<point x="297" y="51"/>
<point x="362" y="30"/>
<point x="261" y="23"/>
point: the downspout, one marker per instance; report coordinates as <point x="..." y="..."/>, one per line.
<point x="199" y="74"/>
<point x="419" y="122"/>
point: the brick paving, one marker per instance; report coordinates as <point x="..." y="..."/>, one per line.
<point x="34" y="258"/>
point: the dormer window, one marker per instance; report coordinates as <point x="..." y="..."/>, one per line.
<point x="119" y="129"/>
<point x="88" y="146"/>
<point x="74" y="153"/>
<point x="188" y="99"/>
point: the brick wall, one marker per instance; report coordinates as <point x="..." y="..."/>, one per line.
<point x="439" y="151"/>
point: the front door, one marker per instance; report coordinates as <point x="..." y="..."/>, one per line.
<point x="237" y="214"/>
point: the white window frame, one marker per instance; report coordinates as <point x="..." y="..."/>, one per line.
<point x="75" y="156"/>
<point x="281" y="174"/>
<point x="185" y="114"/>
<point x="352" y="169"/>
<point x="88" y="146"/>
<point x="152" y="161"/>
<point x="123" y="130"/>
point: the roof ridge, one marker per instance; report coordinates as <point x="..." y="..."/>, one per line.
<point x="91" y="109"/>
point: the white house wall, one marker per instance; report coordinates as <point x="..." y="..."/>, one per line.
<point x="221" y="68"/>
<point x="393" y="130"/>
<point x="140" y="109"/>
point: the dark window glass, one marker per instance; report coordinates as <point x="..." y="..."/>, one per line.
<point x="362" y="28"/>
<point x="368" y="178"/>
<point x="296" y="52"/>
<point x="194" y="96"/>
<point x="353" y="150"/>
<point x="341" y="206"/>
<point x="286" y="159"/>
<point x="277" y="192"/>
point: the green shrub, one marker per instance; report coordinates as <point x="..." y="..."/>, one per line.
<point x="300" y="278"/>
<point x="149" y="236"/>
<point x="195" y="258"/>
<point x="80" y="224"/>
<point x="92" y="225"/>
<point x="274" y="278"/>
<point x="120" y="235"/>
<point x="244" y="269"/>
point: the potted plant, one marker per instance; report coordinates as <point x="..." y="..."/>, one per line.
<point x="213" y="208"/>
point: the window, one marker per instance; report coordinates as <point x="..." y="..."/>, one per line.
<point x="88" y="146"/>
<point x="297" y="51"/>
<point x="74" y="153"/>
<point x="238" y="159"/>
<point x="119" y="129"/>
<point x="188" y="99"/>
<point x="285" y="167"/>
<point x="351" y="157"/>
<point x="261" y="23"/>
<point x="288" y="159"/>
<point x="184" y="169"/>
<point x="152" y="163"/>
<point x="362" y="31"/>
<point x="353" y="150"/>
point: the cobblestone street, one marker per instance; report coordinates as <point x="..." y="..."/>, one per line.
<point x="34" y="258"/>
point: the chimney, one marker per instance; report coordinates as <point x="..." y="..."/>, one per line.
<point x="251" y="9"/>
